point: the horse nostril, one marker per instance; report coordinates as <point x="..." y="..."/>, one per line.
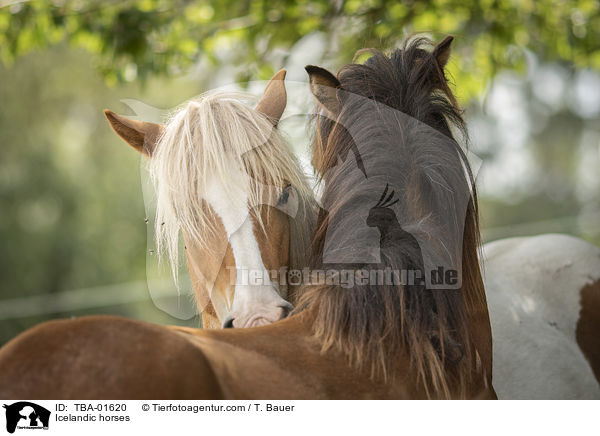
<point x="228" y="323"/>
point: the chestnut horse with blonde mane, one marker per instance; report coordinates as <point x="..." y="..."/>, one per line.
<point x="227" y="182"/>
<point x="390" y="340"/>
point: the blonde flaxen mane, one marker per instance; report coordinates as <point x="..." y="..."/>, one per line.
<point x="205" y="142"/>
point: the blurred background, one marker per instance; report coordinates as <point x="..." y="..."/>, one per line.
<point x="73" y="236"/>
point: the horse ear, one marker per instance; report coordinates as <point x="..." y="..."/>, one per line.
<point x="441" y="52"/>
<point x="141" y="135"/>
<point x="324" y="86"/>
<point x="273" y="102"/>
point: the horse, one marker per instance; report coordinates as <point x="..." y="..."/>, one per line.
<point x="226" y="180"/>
<point x="394" y="115"/>
<point x="368" y="340"/>
<point x="544" y="300"/>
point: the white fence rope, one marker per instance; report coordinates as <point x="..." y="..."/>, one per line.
<point x="81" y="299"/>
<point x="581" y="224"/>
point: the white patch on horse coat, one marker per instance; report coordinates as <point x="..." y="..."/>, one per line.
<point x="533" y="289"/>
<point x="231" y="205"/>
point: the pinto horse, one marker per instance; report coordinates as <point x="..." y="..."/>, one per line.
<point x="368" y="340"/>
<point x="544" y="300"/>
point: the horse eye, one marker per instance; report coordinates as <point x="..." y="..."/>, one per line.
<point x="283" y="198"/>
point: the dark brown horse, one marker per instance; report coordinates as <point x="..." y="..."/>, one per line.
<point x="368" y="340"/>
<point x="395" y="116"/>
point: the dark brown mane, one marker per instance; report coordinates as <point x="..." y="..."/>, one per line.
<point x="396" y="115"/>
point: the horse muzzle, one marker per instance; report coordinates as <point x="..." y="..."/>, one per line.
<point x="258" y="316"/>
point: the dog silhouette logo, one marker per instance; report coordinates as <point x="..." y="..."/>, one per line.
<point x="26" y="415"/>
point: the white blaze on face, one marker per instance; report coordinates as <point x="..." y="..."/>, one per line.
<point x="253" y="304"/>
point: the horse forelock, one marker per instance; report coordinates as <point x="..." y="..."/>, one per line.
<point x="374" y="324"/>
<point x="211" y="140"/>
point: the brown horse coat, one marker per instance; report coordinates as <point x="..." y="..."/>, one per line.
<point x="106" y="357"/>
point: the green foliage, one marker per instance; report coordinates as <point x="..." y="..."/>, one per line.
<point x="147" y="37"/>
